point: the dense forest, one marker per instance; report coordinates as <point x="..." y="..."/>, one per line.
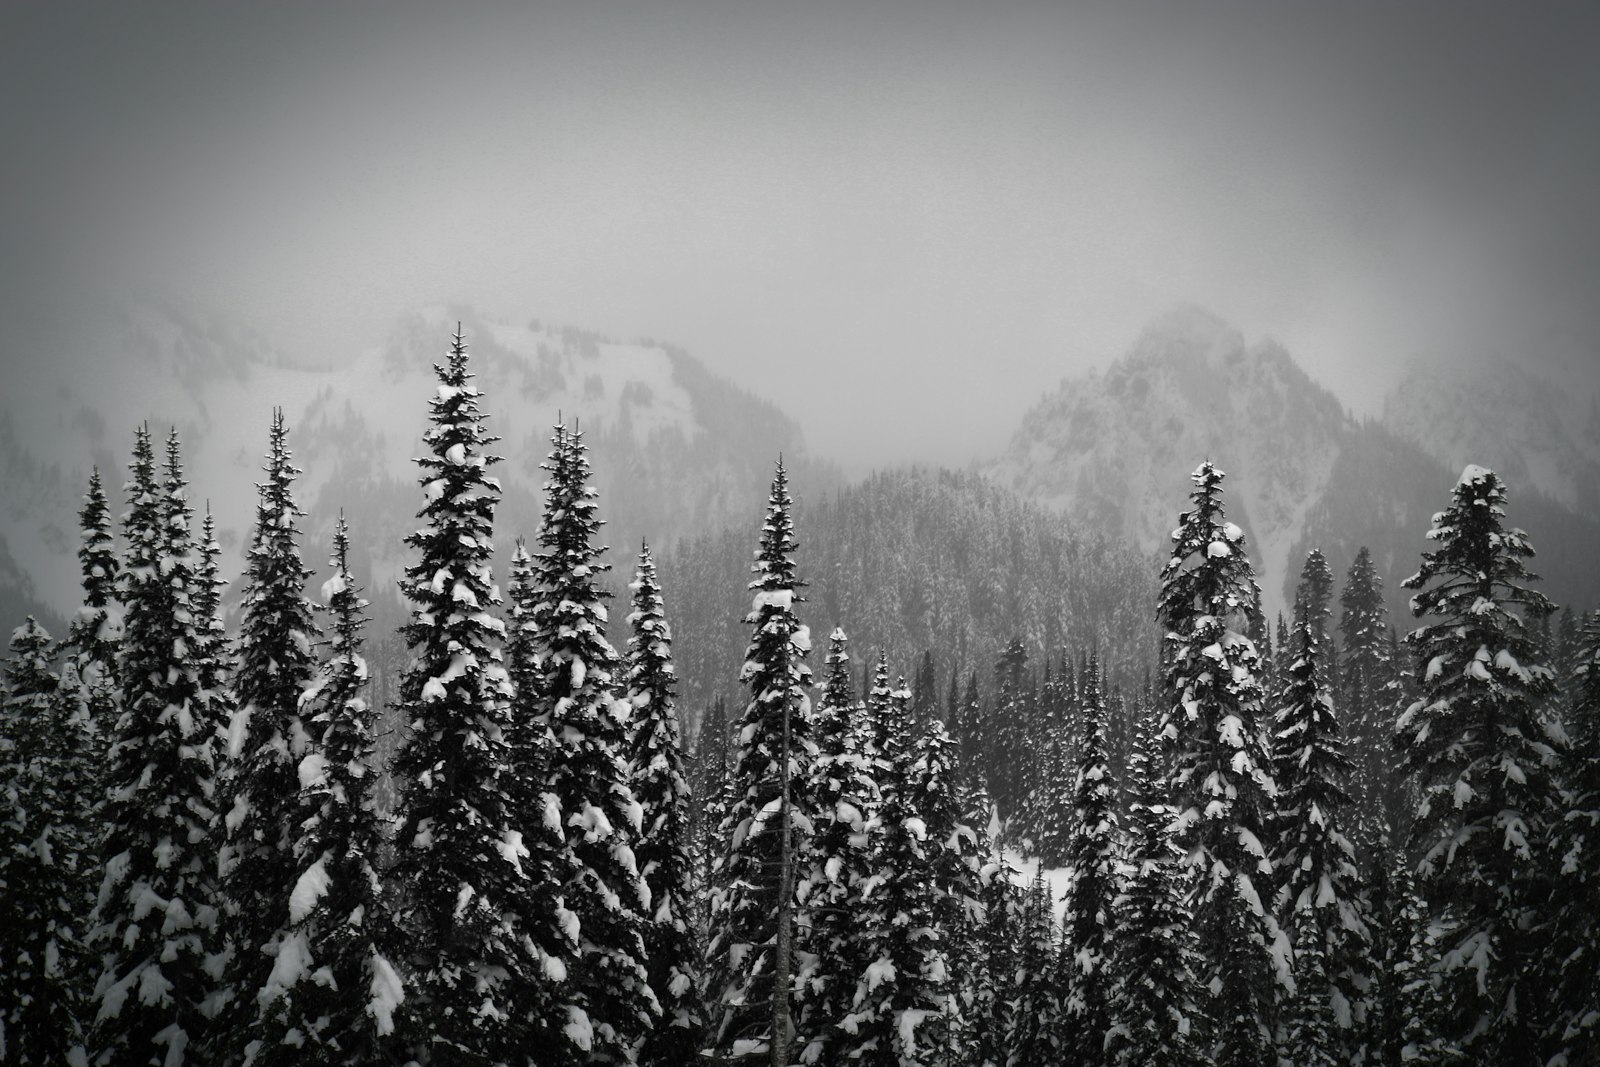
<point x="1333" y="837"/>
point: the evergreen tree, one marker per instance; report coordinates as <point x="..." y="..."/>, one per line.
<point x="1007" y="743"/>
<point x="1154" y="1013"/>
<point x="1220" y="781"/>
<point x="996" y="954"/>
<point x="587" y="775"/>
<point x="710" y="794"/>
<point x="764" y="831"/>
<point x="838" y="863"/>
<point x="656" y="770"/>
<point x="1038" y="1033"/>
<point x="954" y="851"/>
<point x="1318" y="891"/>
<point x="330" y="998"/>
<point x="41" y="838"/>
<point x="457" y="848"/>
<point x="266" y="741"/>
<point x="1391" y="911"/>
<point x="93" y="640"/>
<point x="1575" y="1022"/>
<point x="90" y="689"/>
<point x="972" y="737"/>
<point x="1362" y="690"/>
<point x="1052" y="797"/>
<point x="1090" y="921"/>
<point x="924" y="691"/>
<point x="550" y="937"/>
<point x="897" y="1011"/>
<point x="158" y="975"/>
<point x="1480" y="744"/>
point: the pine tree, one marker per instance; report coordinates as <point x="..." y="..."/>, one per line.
<point x="1390" y="908"/>
<point x="1090" y="920"/>
<point x="549" y="936"/>
<point x="330" y="997"/>
<point x="753" y="900"/>
<point x="972" y="737"/>
<point x="924" y="690"/>
<point x="266" y="742"/>
<point x="1052" y="796"/>
<point x="41" y="839"/>
<point x="587" y="774"/>
<point x="456" y="851"/>
<point x="90" y="688"/>
<point x="94" y="638"/>
<point x="656" y="770"/>
<point x="1007" y="749"/>
<point x="1038" y="1031"/>
<point x="996" y="954"/>
<point x="896" y="1019"/>
<point x="710" y="793"/>
<point x="1318" y="891"/>
<point x="154" y="994"/>
<point x="1154" y="1013"/>
<point x="1482" y="748"/>
<point x="1362" y="691"/>
<point x="954" y="851"/>
<point x="844" y="794"/>
<point x="1220" y="781"/>
<point x="1575" y="1022"/>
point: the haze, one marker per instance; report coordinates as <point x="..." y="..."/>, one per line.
<point x="901" y="222"/>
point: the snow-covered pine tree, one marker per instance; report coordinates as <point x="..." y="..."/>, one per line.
<point x="710" y="795"/>
<point x="1362" y="692"/>
<point x="41" y="840"/>
<point x="1049" y="805"/>
<point x="1006" y="746"/>
<point x="896" y="1013"/>
<point x="1154" y="1013"/>
<point x="586" y="779"/>
<point x="972" y="736"/>
<point x="1089" y="923"/>
<point x="1220" y="782"/>
<point x="837" y="863"/>
<point x="924" y="690"/>
<point x="753" y="899"/>
<point x="89" y="686"/>
<point x="1482" y="747"/>
<point x="89" y="669"/>
<point x="995" y="952"/>
<point x="456" y="865"/>
<point x="954" y="850"/>
<point x="548" y="937"/>
<point x="656" y="770"/>
<point x="1319" y="887"/>
<point x="266" y="742"/>
<point x="1575" y="1024"/>
<point x="1391" y="911"/>
<point x="155" y="917"/>
<point x="329" y="1000"/>
<point x="1039" y="1031"/>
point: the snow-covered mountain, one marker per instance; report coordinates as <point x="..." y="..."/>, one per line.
<point x="677" y="451"/>
<point x="1535" y="421"/>
<point x="1114" y="449"/>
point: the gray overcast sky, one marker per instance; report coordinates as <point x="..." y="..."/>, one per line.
<point x="902" y="222"/>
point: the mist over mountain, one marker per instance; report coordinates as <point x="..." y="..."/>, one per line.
<point x="1113" y="451"/>
<point x="676" y="449"/>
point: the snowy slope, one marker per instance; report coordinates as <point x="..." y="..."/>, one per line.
<point x="1535" y="422"/>
<point x="1114" y="449"/>
<point x="676" y="450"/>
